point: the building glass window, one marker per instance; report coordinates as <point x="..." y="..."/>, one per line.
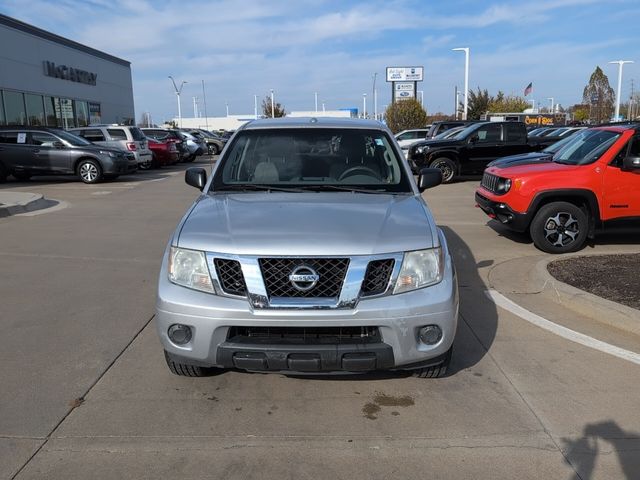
<point x="2" y="120"/>
<point x="64" y="112"/>
<point x="50" y="112"/>
<point x="35" y="109"/>
<point x="14" y="108"/>
<point x="95" y="116"/>
<point x="82" y="113"/>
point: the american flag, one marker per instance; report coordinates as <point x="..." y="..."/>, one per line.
<point x="529" y="89"/>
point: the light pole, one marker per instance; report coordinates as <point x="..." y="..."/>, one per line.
<point x="255" y="105"/>
<point x="316" y="95"/>
<point x="178" y="92"/>
<point x="226" y="104"/>
<point x="620" y="63"/>
<point x="364" y="105"/>
<point x="551" y="98"/>
<point x="421" y="93"/>
<point x="458" y="93"/>
<point x="195" y="107"/>
<point x="466" y="79"/>
<point x="273" y="108"/>
<point x="204" y="99"/>
<point x="375" y="97"/>
<point x="323" y="110"/>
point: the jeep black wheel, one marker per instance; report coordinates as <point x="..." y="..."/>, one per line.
<point x="446" y="166"/>
<point x="186" y="370"/>
<point x="213" y="149"/>
<point x="559" y="227"/>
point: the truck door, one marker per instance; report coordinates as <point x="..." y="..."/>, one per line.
<point x="485" y="144"/>
<point x="515" y="139"/>
<point x="621" y="189"/>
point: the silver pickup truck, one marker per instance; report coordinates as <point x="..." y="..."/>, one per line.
<point x="310" y="249"/>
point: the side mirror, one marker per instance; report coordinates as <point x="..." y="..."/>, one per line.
<point x="474" y="138"/>
<point x="631" y="163"/>
<point x="429" y="178"/>
<point x="196" y="177"/>
<point x="58" y="144"/>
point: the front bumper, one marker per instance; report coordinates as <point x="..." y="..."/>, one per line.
<point x="501" y="212"/>
<point x="397" y="317"/>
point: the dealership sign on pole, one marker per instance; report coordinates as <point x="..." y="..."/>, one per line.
<point x="404" y="81"/>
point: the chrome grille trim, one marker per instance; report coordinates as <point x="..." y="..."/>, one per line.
<point x="349" y="294"/>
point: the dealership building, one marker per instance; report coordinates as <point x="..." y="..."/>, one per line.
<point x="50" y="80"/>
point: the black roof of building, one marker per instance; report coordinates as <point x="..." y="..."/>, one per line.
<point x="52" y="37"/>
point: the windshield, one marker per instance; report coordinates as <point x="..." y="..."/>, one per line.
<point x="554" y="147"/>
<point x="449" y="133"/>
<point x="585" y="147"/>
<point x="467" y="130"/>
<point x="74" y="140"/>
<point x="312" y="159"/>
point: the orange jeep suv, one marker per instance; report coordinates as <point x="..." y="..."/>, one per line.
<point x="592" y="180"/>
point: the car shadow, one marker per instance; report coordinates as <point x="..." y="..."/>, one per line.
<point x="501" y="230"/>
<point x="478" y="319"/>
<point x="582" y="453"/>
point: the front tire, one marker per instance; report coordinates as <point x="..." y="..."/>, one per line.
<point x="186" y="370"/>
<point x="435" y="371"/>
<point x="559" y="227"/>
<point x="213" y="149"/>
<point x="447" y="167"/>
<point x="89" y="171"/>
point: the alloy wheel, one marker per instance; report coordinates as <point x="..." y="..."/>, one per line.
<point x="561" y="230"/>
<point x="88" y="172"/>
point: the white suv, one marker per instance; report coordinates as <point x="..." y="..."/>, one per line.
<point x="122" y="137"/>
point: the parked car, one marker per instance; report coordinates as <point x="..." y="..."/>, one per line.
<point x="169" y="135"/>
<point x="592" y="181"/>
<point x="29" y="151"/>
<point x="302" y="257"/>
<point x="439" y="127"/>
<point x="545" y="155"/>
<point x="469" y="151"/>
<point x="123" y="137"/>
<point x="164" y="153"/>
<point x="195" y="146"/>
<point x="215" y="144"/>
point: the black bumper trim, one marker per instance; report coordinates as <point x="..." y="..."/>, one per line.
<point x="306" y="358"/>
<point x="501" y="212"/>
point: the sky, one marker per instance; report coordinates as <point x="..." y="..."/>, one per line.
<point x="299" y="47"/>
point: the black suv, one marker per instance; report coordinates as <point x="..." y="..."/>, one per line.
<point x="30" y="151"/>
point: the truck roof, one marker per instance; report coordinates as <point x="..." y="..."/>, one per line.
<point x="313" y="122"/>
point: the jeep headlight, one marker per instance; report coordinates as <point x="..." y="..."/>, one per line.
<point x="188" y="268"/>
<point x="106" y="152"/>
<point x="422" y="148"/>
<point x="503" y="186"/>
<point x="420" y="269"/>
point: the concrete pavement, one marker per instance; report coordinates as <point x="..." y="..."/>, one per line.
<point x="88" y="392"/>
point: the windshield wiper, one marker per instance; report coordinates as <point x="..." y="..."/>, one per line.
<point x="344" y="189"/>
<point x="248" y="187"/>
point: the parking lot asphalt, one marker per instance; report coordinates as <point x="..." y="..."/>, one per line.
<point x="86" y="391"/>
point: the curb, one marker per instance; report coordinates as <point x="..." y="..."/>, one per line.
<point x="539" y="281"/>
<point x="605" y="311"/>
<point x="15" y="203"/>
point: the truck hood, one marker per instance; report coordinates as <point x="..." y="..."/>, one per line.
<point x="309" y="223"/>
<point x="532" y="169"/>
<point x="522" y="159"/>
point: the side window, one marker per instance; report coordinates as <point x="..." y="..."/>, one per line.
<point x="631" y="149"/>
<point x="9" y="137"/>
<point x="43" y="139"/>
<point x="93" y="135"/>
<point x="117" y="133"/>
<point x="489" y="133"/>
<point x="515" y="133"/>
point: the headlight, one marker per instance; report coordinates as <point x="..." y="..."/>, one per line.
<point x="420" y="269"/>
<point x="106" y="152"/>
<point x="422" y="149"/>
<point x="503" y="186"/>
<point x="189" y="269"/>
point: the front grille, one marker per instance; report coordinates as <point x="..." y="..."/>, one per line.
<point x="490" y="182"/>
<point x="376" y="279"/>
<point x="304" y="335"/>
<point x="230" y="276"/>
<point x="331" y="272"/>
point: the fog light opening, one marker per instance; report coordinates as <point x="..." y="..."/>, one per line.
<point x="179" y="334"/>
<point x="430" y="334"/>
